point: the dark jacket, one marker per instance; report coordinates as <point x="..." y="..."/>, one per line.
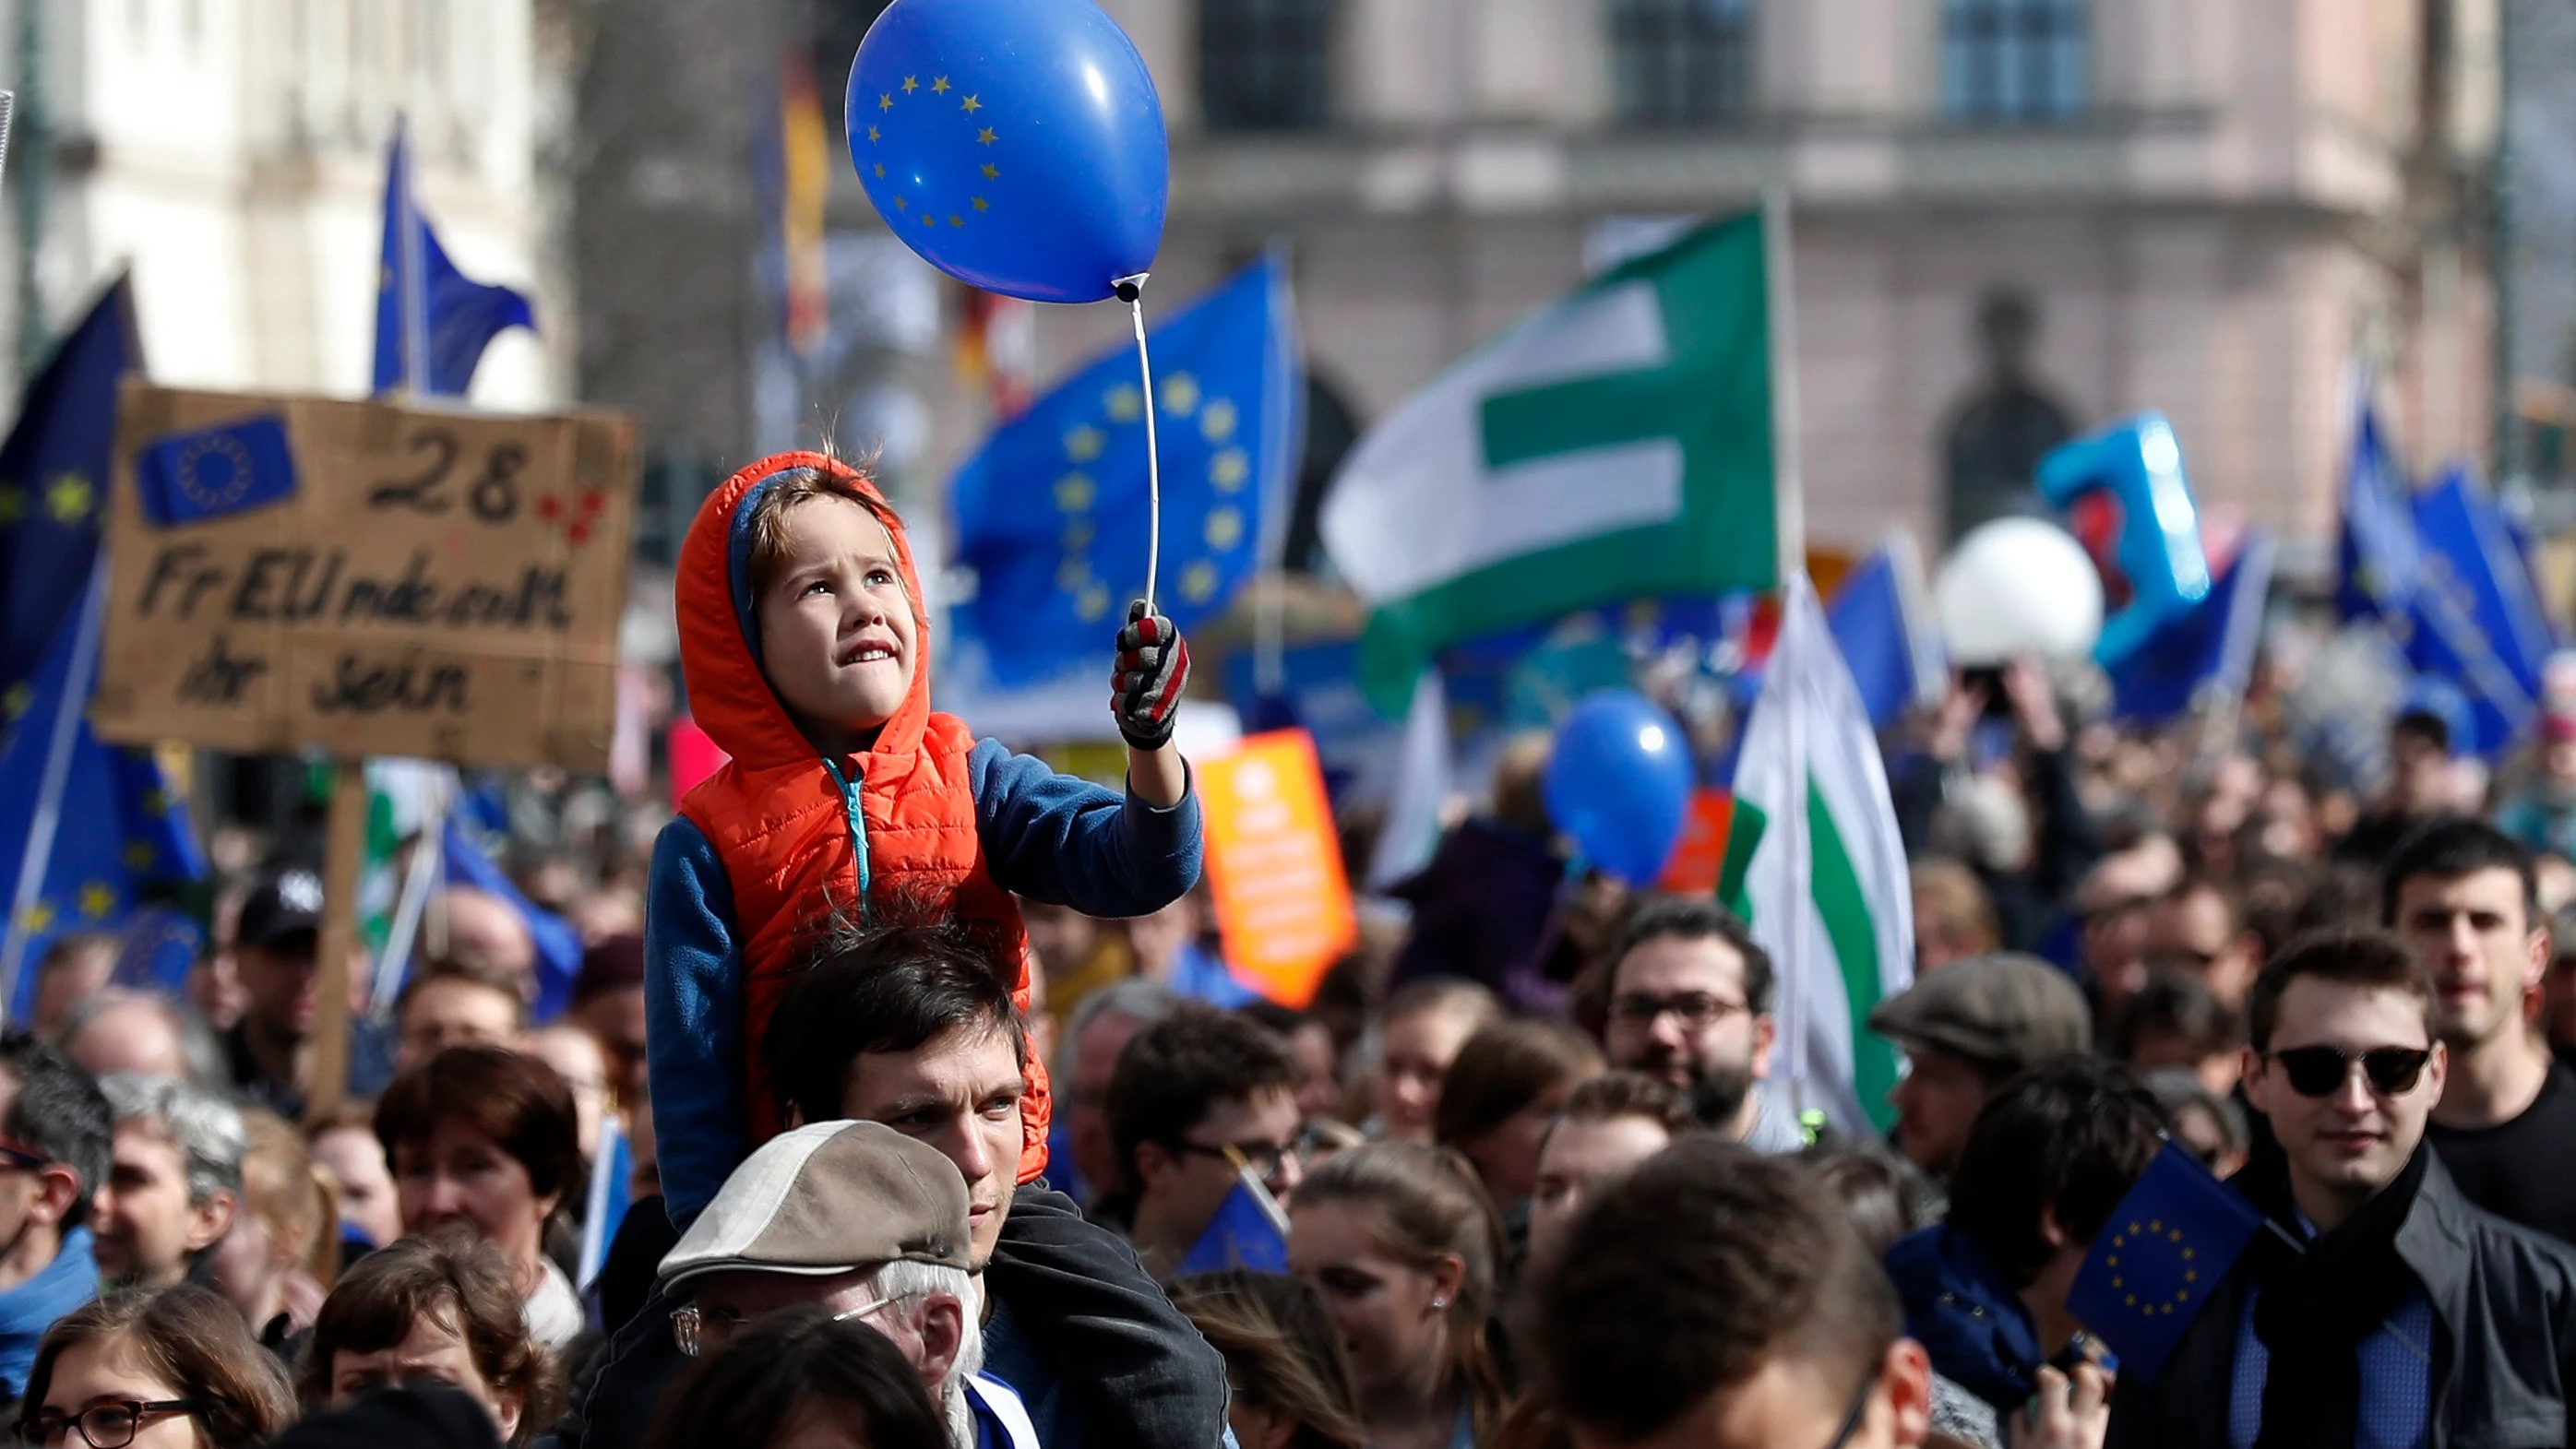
<point x="1138" y="1371"/>
<point x="2504" y="1360"/>
<point x="1971" y="1322"/>
<point x="1480" y="908"/>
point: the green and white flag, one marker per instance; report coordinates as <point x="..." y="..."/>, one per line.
<point x="1622" y="444"/>
<point x="1814" y="863"/>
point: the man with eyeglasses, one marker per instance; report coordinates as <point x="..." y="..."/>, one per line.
<point x="1719" y="1299"/>
<point x="2465" y="896"/>
<point x="54" y="1133"/>
<point x="2385" y="1308"/>
<point x="1191" y="1096"/>
<point x="1690" y="1003"/>
<point x="869" y="1224"/>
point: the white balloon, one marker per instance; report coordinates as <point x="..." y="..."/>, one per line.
<point x="2018" y="586"/>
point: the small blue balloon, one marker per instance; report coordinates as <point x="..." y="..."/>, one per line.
<point x="1017" y="145"/>
<point x="1619" y="782"/>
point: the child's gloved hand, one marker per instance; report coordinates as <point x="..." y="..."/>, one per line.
<point x="1153" y="668"/>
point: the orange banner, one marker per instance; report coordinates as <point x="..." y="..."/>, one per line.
<point x="1275" y="865"/>
<point x="1701" y="855"/>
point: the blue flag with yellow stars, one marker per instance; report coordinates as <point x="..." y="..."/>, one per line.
<point x="52" y="493"/>
<point x="2155" y="1263"/>
<point x="87" y="829"/>
<point x="457" y="316"/>
<point x="1052" y="512"/>
<point x="210" y="472"/>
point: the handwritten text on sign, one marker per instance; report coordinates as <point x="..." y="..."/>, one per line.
<point x="1282" y="902"/>
<point x="365" y="577"/>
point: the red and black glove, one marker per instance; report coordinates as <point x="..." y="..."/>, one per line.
<point x="1153" y="669"/>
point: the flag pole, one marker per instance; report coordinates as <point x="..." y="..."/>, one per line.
<point x="56" y="782"/>
<point x="1789" y="518"/>
<point x="415" y="265"/>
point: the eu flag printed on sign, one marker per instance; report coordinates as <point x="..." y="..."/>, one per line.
<point x="432" y="321"/>
<point x="210" y="472"/>
<point x="86" y="829"/>
<point x="1052" y="511"/>
<point x="2157" y="1260"/>
<point x="1249" y="1231"/>
<point x="53" y="475"/>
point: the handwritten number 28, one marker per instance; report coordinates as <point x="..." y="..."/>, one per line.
<point x="493" y="496"/>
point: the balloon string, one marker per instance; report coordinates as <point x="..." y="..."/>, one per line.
<point x="1153" y="458"/>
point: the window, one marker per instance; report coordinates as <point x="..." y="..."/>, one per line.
<point x="1681" y="62"/>
<point x="1265" y="65"/>
<point x="2015" y="60"/>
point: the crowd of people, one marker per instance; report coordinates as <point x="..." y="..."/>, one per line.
<point x="941" y="1118"/>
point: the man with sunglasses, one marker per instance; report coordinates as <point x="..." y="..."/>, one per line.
<point x="54" y="1134"/>
<point x="868" y="1223"/>
<point x="2384" y="1308"/>
<point x="1185" y="1091"/>
<point x="2464" y="895"/>
<point x="1719" y="1299"/>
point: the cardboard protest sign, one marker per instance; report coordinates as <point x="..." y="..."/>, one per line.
<point x="1282" y="901"/>
<point x="365" y="577"/>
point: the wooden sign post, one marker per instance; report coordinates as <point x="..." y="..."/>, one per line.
<point x="363" y="578"/>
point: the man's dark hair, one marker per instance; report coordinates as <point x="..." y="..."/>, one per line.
<point x="1697" y="918"/>
<point x="1174" y="1070"/>
<point x="882" y="989"/>
<point x="61" y="1113"/>
<point x="2174" y="1003"/>
<point x="2066" y="1139"/>
<point x="2449" y="848"/>
<point x="2349" y="958"/>
<point x="1694" y="1271"/>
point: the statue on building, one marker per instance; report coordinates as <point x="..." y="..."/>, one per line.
<point x="1998" y="436"/>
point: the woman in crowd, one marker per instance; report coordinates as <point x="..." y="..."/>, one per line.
<point x="801" y="1377"/>
<point x="484" y="1136"/>
<point x="1501" y="1093"/>
<point x="1423" y="1028"/>
<point x="283" y="1251"/>
<point x="1403" y="1246"/>
<point x="169" y="1368"/>
<point x="1605" y="1127"/>
<point x="1292" y="1382"/>
<point x="439" y="1309"/>
<point x="343" y="1142"/>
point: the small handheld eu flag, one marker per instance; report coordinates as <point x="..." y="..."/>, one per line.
<point x="210" y="472"/>
<point x="2155" y="1263"/>
<point x="1249" y="1230"/>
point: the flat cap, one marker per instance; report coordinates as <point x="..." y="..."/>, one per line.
<point x="2005" y="1011"/>
<point x="827" y="1198"/>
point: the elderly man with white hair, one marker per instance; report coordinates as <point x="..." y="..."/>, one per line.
<point x="174" y="1179"/>
<point x="864" y="1221"/>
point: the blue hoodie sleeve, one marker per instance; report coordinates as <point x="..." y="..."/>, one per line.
<point x="693" y="1020"/>
<point x="1063" y="840"/>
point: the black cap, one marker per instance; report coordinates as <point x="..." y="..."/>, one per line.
<point x="429" y="1417"/>
<point x="284" y="911"/>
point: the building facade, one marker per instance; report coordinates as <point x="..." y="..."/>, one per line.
<point x="2012" y="218"/>
<point x="232" y="153"/>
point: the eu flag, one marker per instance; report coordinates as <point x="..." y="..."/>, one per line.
<point x="209" y="472"/>
<point x="2209" y="646"/>
<point x="2155" y="1263"/>
<point x="52" y="494"/>
<point x="558" y="944"/>
<point x="433" y="324"/>
<point x="1248" y="1231"/>
<point x="1051" y="512"/>
<point x="1877" y="621"/>
<point x="85" y="828"/>
<point x="2473" y="572"/>
<point x="2378" y="551"/>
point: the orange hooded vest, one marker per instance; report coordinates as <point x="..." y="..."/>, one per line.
<point x="781" y="823"/>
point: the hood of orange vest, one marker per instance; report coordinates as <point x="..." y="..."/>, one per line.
<point x="719" y="639"/>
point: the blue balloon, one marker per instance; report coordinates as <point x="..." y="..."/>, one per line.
<point x="1619" y="782"/>
<point x="1017" y="145"/>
